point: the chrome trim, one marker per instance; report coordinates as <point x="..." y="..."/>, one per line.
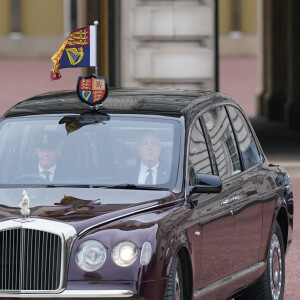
<point x="75" y="294"/>
<point x="128" y="214"/>
<point x="224" y="281"/>
<point x="66" y="233"/>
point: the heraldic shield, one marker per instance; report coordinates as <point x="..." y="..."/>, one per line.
<point x="92" y="89"/>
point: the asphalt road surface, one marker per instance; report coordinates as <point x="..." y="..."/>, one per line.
<point x="292" y="279"/>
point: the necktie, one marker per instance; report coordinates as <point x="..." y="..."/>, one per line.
<point x="47" y="175"/>
<point x="149" y="178"/>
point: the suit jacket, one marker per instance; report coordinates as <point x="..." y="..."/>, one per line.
<point x="34" y="170"/>
<point x="163" y="174"/>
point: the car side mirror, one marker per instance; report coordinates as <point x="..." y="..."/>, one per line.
<point x="206" y="183"/>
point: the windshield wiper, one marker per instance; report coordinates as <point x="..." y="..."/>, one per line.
<point x="38" y="185"/>
<point x="66" y="185"/>
<point x="130" y="186"/>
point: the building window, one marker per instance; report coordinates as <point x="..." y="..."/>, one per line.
<point x="236" y="166"/>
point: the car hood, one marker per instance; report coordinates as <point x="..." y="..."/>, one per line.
<point x="81" y="207"/>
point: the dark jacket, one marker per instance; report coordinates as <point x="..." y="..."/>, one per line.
<point x="163" y="174"/>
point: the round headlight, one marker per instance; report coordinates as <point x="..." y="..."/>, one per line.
<point x="90" y="255"/>
<point x="124" y="254"/>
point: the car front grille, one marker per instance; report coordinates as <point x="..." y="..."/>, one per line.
<point x="32" y="259"/>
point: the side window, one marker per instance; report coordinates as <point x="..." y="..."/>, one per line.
<point x="223" y="142"/>
<point x="198" y="157"/>
<point x="250" y="154"/>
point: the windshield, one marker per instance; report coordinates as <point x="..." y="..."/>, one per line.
<point x="91" y="150"/>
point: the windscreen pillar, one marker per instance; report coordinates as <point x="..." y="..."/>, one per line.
<point x="292" y="107"/>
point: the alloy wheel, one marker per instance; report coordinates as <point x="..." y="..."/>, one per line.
<point x="275" y="267"/>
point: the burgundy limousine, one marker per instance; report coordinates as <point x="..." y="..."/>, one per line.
<point x="154" y="194"/>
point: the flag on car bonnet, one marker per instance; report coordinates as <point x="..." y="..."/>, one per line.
<point x="78" y="50"/>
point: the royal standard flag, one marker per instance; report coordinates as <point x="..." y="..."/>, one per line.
<point x="78" y="50"/>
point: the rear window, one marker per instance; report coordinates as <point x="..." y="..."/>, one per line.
<point x="223" y="142"/>
<point x="250" y="154"/>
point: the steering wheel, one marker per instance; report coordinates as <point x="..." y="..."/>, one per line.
<point x="29" y="178"/>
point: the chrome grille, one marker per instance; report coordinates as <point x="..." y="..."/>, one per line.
<point x="30" y="260"/>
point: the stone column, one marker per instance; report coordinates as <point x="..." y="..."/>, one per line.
<point x="264" y="55"/>
<point x="274" y="68"/>
<point x="292" y="107"/>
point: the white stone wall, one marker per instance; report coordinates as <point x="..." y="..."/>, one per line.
<point x="167" y="43"/>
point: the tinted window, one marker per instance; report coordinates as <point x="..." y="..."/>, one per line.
<point x="245" y="138"/>
<point x="223" y="142"/>
<point x="79" y="150"/>
<point x="199" y="161"/>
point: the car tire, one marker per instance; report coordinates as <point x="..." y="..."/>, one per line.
<point x="175" y="283"/>
<point x="270" y="286"/>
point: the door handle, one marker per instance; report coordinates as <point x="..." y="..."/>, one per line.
<point x="225" y="202"/>
<point x="230" y="200"/>
<point x="235" y="198"/>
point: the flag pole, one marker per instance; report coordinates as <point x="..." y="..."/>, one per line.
<point x="96" y="64"/>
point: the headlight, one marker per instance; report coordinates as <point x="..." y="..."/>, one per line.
<point x="90" y="255"/>
<point x="124" y="254"/>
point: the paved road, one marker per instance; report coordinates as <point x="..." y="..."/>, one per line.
<point x="292" y="286"/>
<point x="283" y="147"/>
<point x="21" y="79"/>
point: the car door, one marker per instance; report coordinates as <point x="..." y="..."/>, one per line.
<point x="216" y="213"/>
<point x="213" y="215"/>
<point x="199" y="161"/>
<point x="247" y="205"/>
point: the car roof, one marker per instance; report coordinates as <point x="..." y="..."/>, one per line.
<point x="166" y="102"/>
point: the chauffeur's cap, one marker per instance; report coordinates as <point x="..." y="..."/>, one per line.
<point x="49" y="140"/>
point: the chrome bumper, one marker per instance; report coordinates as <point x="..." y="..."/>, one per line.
<point x="74" y="294"/>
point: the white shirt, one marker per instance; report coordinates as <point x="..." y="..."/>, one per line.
<point x="144" y="173"/>
<point x="51" y="170"/>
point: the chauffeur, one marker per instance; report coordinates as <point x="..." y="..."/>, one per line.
<point x="48" y="150"/>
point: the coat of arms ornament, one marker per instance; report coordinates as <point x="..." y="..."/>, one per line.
<point x="92" y="89"/>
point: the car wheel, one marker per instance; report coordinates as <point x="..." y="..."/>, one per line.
<point x="175" y="282"/>
<point x="270" y="285"/>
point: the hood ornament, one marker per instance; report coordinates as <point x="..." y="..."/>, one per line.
<point x="24" y="204"/>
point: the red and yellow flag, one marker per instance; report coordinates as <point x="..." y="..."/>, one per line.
<point x="78" y="50"/>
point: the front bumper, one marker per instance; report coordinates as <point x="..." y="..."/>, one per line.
<point x="146" y="290"/>
<point x="74" y="294"/>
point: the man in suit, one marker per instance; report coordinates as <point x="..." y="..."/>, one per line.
<point x="151" y="170"/>
<point x="48" y="151"/>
